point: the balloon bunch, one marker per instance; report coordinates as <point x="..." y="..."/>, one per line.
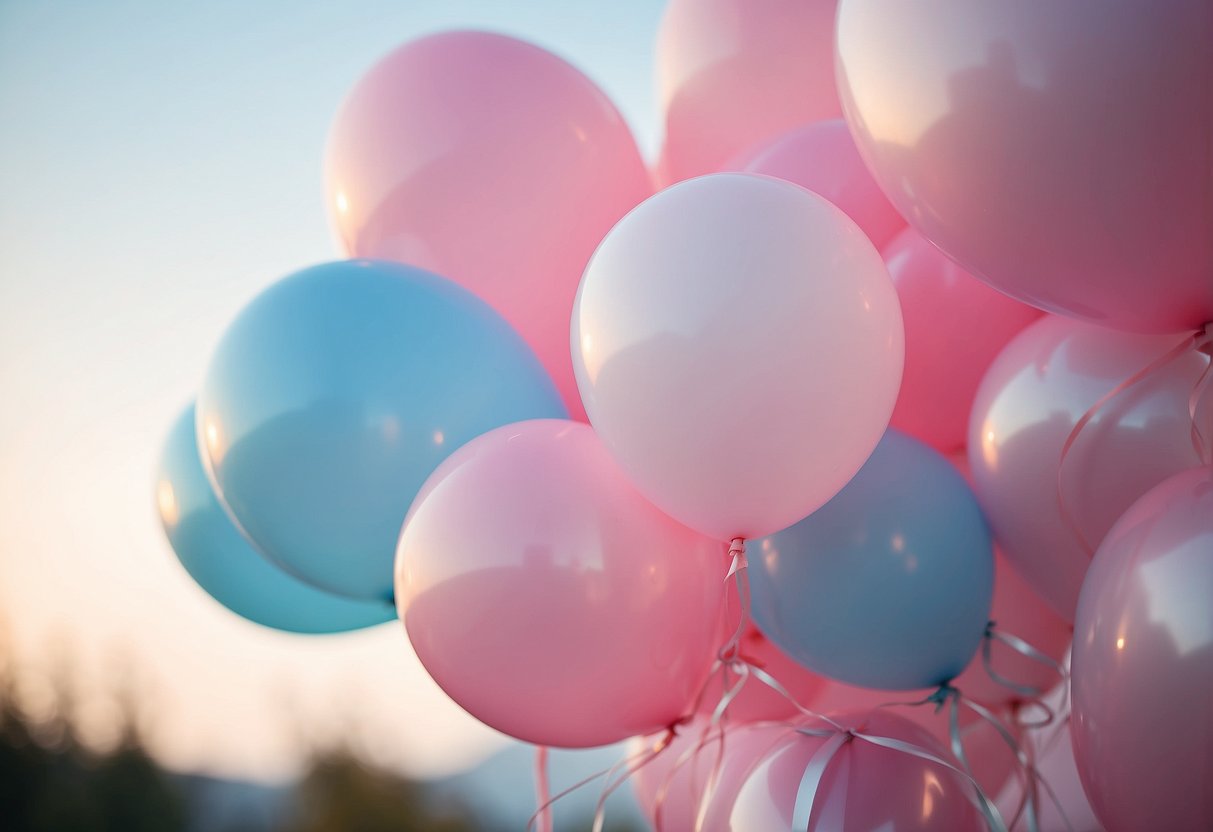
<point x="737" y="558"/>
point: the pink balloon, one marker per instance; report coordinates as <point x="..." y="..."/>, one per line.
<point x="823" y="158"/>
<point x="1143" y="663"/>
<point x="992" y="760"/>
<point x="955" y="326"/>
<point x="738" y="347"/>
<point x="757" y="700"/>
<point x="1030" y="399"/>
<point x="1059" y="151"/>
<point x="548" y="598"/>
<point x="489" y="161"/>
<point x="733" y="73"/>
<point x="683" y="770"/>
<point x="865" y="788"/>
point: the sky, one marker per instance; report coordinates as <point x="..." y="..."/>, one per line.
<point x="160" y="164"/>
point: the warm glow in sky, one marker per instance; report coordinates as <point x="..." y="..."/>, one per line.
<point x="159" y="165"/>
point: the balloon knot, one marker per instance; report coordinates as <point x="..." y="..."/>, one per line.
<point x="737" y="553"/>
<point x="942" y="694"/>
<point x="1204" y="339"/>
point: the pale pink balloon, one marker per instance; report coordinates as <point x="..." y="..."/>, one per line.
<point x="491" y="162"/>
<point x="865" y="788"/>
<point x="823" y="157"/>
<point x="1143" y="664"/>
<point x="757" y="700"/>
<point x="955" y="326"/>
<point x="1034" y="393"/>
<point x="671" y="788"/>
<point x="992" y="760"/>
<point x="1059" y="151"/>
<point x="548" y="598"/>
<point x="733" y="73"/>
<point x="738" y="346"/>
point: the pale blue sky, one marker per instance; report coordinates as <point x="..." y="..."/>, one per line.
<point x="160" y="163"/>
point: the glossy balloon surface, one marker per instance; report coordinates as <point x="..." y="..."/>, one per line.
<point x="224" y="563"/>
<point x="1032" y="396"/>
<point x="1143" y="663"/>
<point x="1059" y="151"/>
<point x="336" y="392"/>
<point x="738" y="347"/>
<point x="548" y="598"/>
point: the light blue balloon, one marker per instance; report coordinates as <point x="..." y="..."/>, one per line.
<point x="336" y="392"/>
<point x="888" y="585"/>
<point x="223" y="563"/>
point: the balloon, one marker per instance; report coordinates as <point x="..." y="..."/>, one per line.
<point x="336" y="392"/>
<point x="489" y="161"/>
<point x="733" y="73"/>
<point x="1058" y="151"/>
<point x="1034" y="393"/>
<point x="823" y="158"/>
<point x="738" y="347"/>
<point x="223" y="563"/>
<point x="682" y="790"/>
<point x="889" y="584"/>
<point x="992" y="761"/>
<point x="758" y="701"/>
<point x="865" y="787"/>
<point x="548" y="598"/>
<point x="1143" y="663"/>
<point x="955" y="326"/>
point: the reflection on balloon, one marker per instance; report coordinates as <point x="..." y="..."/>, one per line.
<point x="1034" y="393"/>
<point x="492" y="162"/>
<point x="1058" y="151"/>
<point x="336" y="392"/>
<point x="223" y="563"/>
<point x="548" y="598"/>
<point x="738" y="347"/>
<point x="889" y="584"/>
<point x="1143" y="663"/>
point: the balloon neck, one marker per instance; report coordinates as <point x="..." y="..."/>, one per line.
<point x="1204" y="339"/>
<point x="942" y="695"/>
<point x="737" y="553"/>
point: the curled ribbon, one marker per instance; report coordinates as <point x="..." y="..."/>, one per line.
<point x="1014" y="642"/>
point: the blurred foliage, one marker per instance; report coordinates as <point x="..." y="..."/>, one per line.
<point x="52" y="780"/>
<point x="341" y="794"/>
